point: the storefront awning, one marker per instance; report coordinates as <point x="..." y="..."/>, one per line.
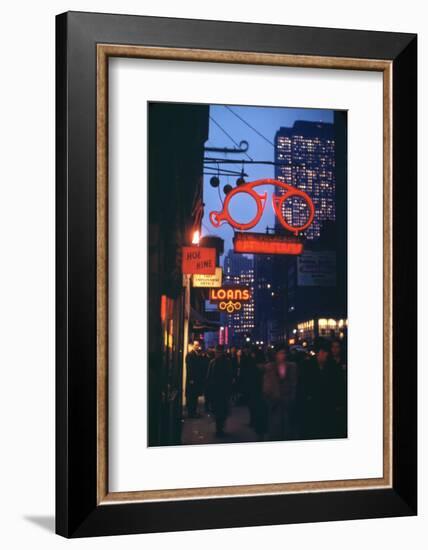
<point x="201" y="323"/>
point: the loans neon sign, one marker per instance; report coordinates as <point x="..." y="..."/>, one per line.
<point x="230" y="299"/>
<point x="217" y="218"/>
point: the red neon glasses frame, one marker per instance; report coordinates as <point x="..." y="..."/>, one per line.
<point x="217" y="218"/>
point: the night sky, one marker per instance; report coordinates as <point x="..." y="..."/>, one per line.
<point x="266" y="120"/>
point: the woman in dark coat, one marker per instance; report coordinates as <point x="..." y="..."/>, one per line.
<point x="279" y="389"/>
<point x="219" y="383"/>
<point x="323" y="394"/>
<point x="255" y="400"/>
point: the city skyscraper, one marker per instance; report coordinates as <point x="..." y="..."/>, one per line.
<point x="238" y="269"/>
<point x="305" y="154"/>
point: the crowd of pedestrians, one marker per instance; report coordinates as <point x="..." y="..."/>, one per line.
<point x="290" y="394"/>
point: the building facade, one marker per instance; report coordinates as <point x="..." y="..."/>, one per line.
<point x="238" y="269"/>
<point x="313" y="157"/>
<point x="314" y="305"/>
<point x="177" y="134"/>
<point x="305" y="158"/>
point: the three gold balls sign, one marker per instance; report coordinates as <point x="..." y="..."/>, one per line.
<point x="229" y="299"/>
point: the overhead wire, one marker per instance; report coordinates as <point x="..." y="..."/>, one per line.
<point x="228" y="135"/>
<point x="249" y="125"/>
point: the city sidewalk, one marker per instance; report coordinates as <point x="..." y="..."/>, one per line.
<point x="202" y="430"/>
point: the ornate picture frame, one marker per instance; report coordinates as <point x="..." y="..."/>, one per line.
<point x="85" y="43"/>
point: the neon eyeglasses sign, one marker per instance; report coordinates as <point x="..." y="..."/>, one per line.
<point x="217" y="218"/>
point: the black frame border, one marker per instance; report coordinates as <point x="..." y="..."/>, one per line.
<point x="77" y="512"/>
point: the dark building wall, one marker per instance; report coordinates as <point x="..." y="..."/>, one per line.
<point x="270" y="300"/>
<point x="263" y="286"/>
<point x="341" y="136"/>
<point x="176" y="137"/>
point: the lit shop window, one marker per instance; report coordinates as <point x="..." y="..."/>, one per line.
<point x="332" y="327"/>
<point x="306" y="330"/>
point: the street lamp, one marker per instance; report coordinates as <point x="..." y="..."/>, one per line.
<point x="196" y="237"/>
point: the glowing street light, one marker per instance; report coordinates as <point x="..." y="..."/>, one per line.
<point x="196" y="237"/>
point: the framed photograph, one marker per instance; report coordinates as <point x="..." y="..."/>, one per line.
<point x="236" y="274"/>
